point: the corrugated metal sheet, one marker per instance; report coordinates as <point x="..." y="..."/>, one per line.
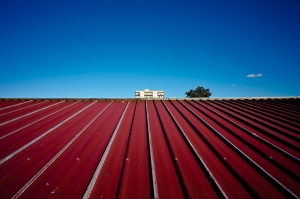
<point x="150" y="149"/>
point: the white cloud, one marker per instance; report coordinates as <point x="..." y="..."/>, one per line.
<point x="254" y="75"/>
<point x="251" y="75"/>
<point x="237" y="84"/>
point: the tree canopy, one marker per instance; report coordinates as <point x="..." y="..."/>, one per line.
<point x="198" y="92"/>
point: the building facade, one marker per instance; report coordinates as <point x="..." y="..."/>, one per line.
<point x="149" y="93"/>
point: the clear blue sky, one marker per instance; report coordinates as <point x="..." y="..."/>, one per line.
<point x="111" y="48"/>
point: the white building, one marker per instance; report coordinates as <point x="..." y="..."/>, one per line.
<point x="149" y="93"/>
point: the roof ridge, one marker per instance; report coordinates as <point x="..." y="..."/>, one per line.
<point x="170" y="98"/>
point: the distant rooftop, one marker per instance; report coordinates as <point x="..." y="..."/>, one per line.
<point x="149" y="93"/>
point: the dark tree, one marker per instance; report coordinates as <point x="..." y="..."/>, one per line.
<point x="198" y="92"/>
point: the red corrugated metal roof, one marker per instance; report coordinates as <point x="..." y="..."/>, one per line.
<point x="150" y="149"/>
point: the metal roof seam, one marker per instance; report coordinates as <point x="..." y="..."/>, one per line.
<point x="41" y="136"/>
<point x="28" y="114"/>
<point x="136" y="177"/>
<point x="260" y="152"/>
<point x="264" y="122"/>
<point x="215" y="182"/>
<point x="155" y="191"/>
<point x="243" y="155"/>
<point x="170" y="150"/>
<point x="24" y="108"/>
<point x="263" y="116"/>
<point x="148" y="148"/>
<point x="275" y="137"/>
<point x="280" y="107"/>
<point x="126" y="151"/>
<point x="15" y="105"/>
<point x="241" y="180"/>
<point x="277" y="110"/>
<point x="39" y="173"/>
<point x="92" y="183"/>
<point x="271" y="114"/>
<point x="290" y="156"/>
<point x="23" y="127"/>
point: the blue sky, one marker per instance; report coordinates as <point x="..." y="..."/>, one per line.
<point x="112" y="48"/>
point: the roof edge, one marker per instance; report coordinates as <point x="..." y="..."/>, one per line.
<point x="171" y="98"/>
